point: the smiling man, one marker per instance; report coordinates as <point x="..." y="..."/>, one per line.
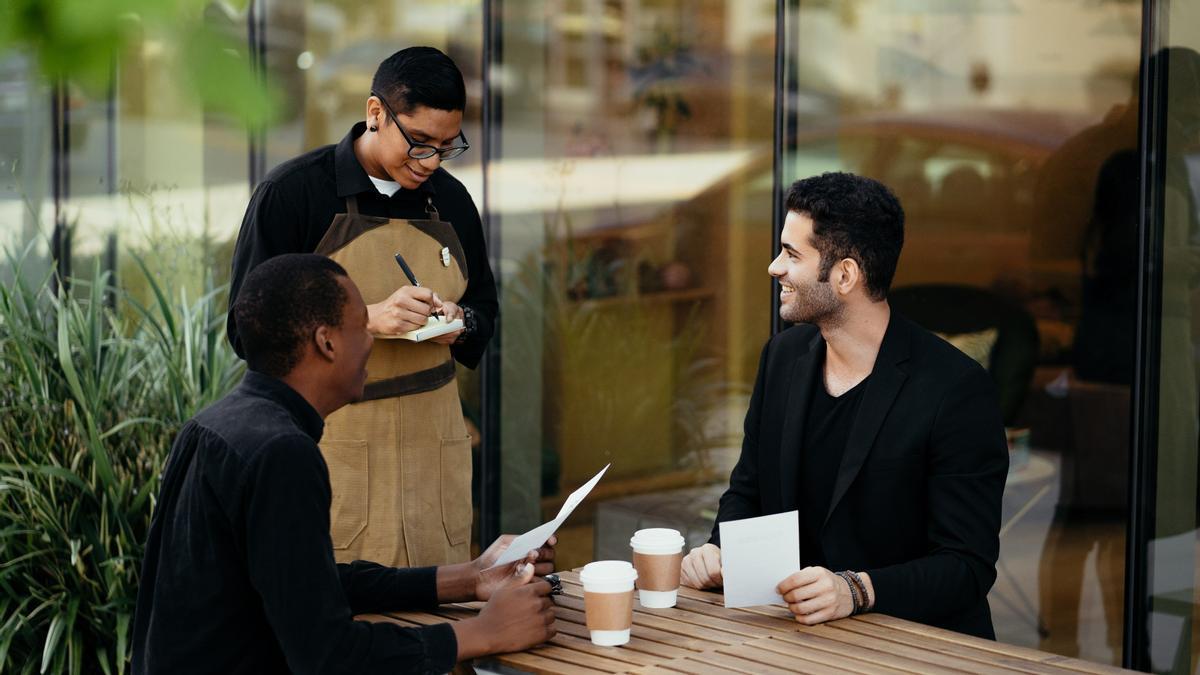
<point x="887" y="439"/>
<point x="400" y="458"/>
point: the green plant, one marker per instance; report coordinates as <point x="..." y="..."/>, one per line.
<point x="89" y="403"/>
<point x="80" y="41"/>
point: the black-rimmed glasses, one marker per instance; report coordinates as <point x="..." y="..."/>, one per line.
<point x="424" y="150"/>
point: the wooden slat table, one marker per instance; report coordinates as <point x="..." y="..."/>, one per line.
<point x="699" y="635"/>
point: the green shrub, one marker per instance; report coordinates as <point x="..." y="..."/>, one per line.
<point x="89" y="404"/>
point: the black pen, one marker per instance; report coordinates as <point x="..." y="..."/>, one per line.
<point x="412" y="278"/>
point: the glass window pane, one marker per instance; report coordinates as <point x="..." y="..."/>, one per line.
<point x="1007" y="130"/>
<point x="1174" y="549"/>
<point x="165" y="178"/>
<point x="26" y="201"/>
<point x="633" y="196"/>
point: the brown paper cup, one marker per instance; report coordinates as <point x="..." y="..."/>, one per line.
<point x="608" y="601"/>
<point x="608" y="611"/>
<point x="658" y="572"/>
<point x="657" y="556"/>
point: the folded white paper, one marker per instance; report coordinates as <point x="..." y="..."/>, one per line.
<point x="757" y="554"/>
<point x="533" y="539"/>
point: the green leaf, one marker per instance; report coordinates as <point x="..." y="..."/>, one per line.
<point x="220" y="72"/>
<point x="122" y="642"/>
<point x="99" y="454"/>
<point x="49" y="651"/>
<point x="128" y="423"/>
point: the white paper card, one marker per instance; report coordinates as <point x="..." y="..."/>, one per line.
<point x="533" y="539"/>
<point x="757" y="554"/>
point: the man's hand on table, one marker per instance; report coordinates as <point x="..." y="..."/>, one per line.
<point x="701" y="568"/>
<point x="518" y="616"/>
<point x="816" y="595"/>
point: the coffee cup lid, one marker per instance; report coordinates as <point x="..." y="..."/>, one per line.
<point x="657" y="537"/>
<point x="607" y="570"/>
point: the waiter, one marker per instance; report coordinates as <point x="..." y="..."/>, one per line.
<point x="400" y="459"/>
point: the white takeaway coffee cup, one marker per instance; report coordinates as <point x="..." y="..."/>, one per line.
<point x="608" y="600"/>
<point x="657" y="556"/>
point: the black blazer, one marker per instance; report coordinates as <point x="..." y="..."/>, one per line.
<point x="917" y="498"/>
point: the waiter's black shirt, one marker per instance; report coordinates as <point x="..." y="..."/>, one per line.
<point x="827" y="429"/>
<point x="239" y="575"/>
<point x="293" y="206"/>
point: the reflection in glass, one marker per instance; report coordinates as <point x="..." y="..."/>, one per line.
<point x="1004" y="128"/>
<point x="1173" y="554"/>
<point x="26" y="207"/>
<point x="633" y="198"/>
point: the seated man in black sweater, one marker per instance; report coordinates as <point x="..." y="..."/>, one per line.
<point x="239" y="575"/>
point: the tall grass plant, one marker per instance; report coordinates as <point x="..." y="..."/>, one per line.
<point x="91" y="395"/>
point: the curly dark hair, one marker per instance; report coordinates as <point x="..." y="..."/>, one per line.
<point x="420" y="76"/>
<point x="281" y="303"/>
<point x="853" y="217"/>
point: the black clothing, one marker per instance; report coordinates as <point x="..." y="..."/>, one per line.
<point x="292" y="207"/>
<point x="916" y="502"/>
<point x="826" y="430"/>
<point x="239" y="575"/>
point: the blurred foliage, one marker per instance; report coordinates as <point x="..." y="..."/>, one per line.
<point x="81" y="41"/>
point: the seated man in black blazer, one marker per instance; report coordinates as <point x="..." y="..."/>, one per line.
<point x="887" y="439"/>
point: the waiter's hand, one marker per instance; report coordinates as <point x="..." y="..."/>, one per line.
<point x="491" y="580"/>
<point x="450" y="312"/>
<point x="406" y="309"/>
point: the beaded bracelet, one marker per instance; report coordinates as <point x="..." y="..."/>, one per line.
<point x="862" y="587"/>
<point x="845" y="576"/>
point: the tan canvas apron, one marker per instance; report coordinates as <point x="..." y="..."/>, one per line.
<point x="400" y="460"/>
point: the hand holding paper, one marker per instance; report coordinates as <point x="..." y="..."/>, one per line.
<point x="533" y="539"/>
<point x="756" y="554"/>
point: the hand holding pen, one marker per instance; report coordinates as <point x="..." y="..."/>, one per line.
<point x="408" y="308"/>
<point x="412" y="279"/>
<point x="448" y="311"/>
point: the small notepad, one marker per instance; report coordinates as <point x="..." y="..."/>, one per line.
<point x="433" y="327"/>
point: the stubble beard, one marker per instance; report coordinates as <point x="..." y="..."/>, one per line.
<point x="813" y="303"/>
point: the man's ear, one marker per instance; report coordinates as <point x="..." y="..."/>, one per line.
<point x="323" y="342"/>
<point x="847" y="275"/>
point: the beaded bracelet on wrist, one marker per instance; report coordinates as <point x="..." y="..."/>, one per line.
<point x="862" y="588"/>
<point x="854" y="597"/>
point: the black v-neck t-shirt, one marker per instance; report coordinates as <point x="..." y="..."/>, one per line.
<point x="826" y="430"/>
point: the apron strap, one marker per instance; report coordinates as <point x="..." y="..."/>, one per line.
<point x="431" y="209"/>
<point x="413" y="383"/>
<point x="352" y="205"/>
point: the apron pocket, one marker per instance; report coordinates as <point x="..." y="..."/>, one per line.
<point x="456" y="489"/>
<point x="347" y="461"/>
